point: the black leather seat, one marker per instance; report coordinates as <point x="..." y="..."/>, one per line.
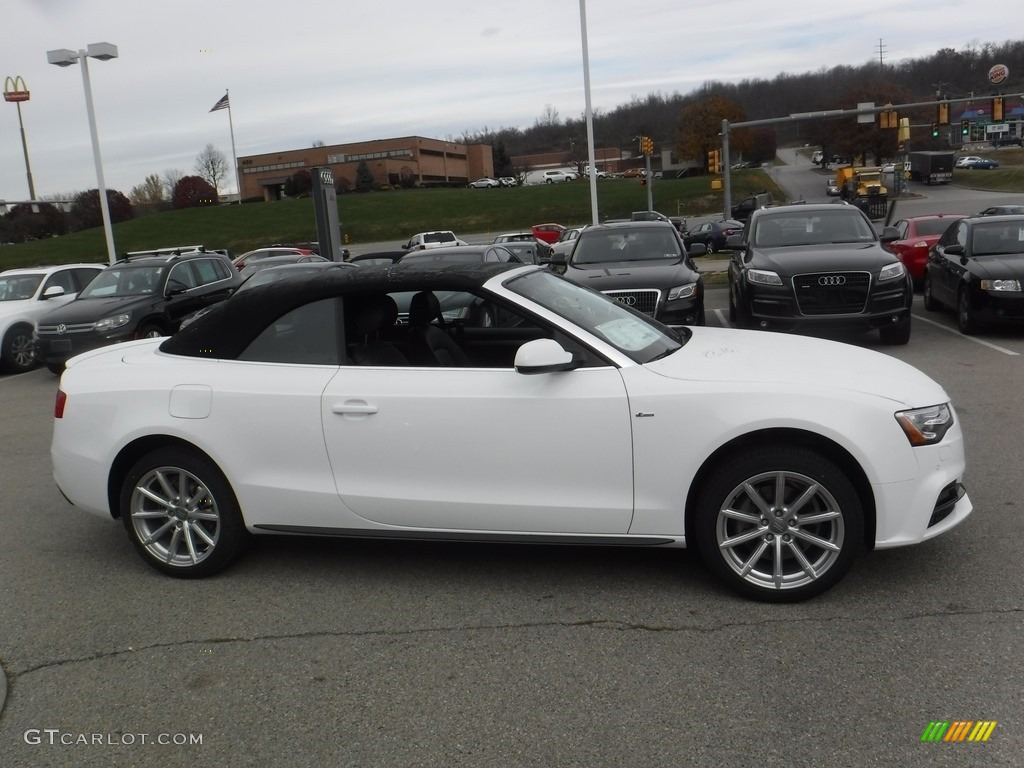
<point x="430" y="344"/>
<point x="369" y="317"/>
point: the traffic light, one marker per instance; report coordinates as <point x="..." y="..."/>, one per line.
<point x="997" y="109"/>
<point x="942" y="118"/>
<point x="714" y="161"/>
<point x="888" y="119"/>
<point x="646" y="145"/>
<point x="965" y="127"/>
<point x="935" y="130"/>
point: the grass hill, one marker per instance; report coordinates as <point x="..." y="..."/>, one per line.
<point x="391" y="215"/>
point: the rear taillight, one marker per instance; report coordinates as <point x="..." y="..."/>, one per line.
<point x="58" y="405"/>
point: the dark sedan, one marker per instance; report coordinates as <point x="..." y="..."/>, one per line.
<point x="465" y="254"/>
<point x="713" y="234"/>
<point x="816" y="268"/>
<point x="977" y="269"/>
<point x="979" y="163"/>
<point x="643" y="265"/>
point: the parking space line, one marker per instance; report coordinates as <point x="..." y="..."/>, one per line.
<point x="976" y="340"/>
<point x="720" y="314"/>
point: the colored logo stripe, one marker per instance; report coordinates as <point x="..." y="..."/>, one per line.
<point x="958" y="730"/>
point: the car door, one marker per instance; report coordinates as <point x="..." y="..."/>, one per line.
<point x="947" y="269"/>
<point x="482" y="449"/>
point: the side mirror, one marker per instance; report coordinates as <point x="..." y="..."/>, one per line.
<point x="697" y="249"/>
<point x="175" y="287"/>
<point x="543" y="356"/>
<point x="53" y="292"/>
<point x="734" y="242"/>
<point x="955" y="250"/>
<point x="890" y="234"/>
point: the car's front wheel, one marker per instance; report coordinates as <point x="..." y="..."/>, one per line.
<point x="966" y="320"/>
<point x="181" y="513"/>
<point x="896" y="334"/>
<point x="779" y="523"/>
<point x="17" y="355"/>
<point x="930" y="303"/>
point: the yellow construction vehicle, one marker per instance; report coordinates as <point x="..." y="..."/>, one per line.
<point x="862" y="186"/>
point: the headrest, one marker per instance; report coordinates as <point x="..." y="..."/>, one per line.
<point x="423" y="308"/>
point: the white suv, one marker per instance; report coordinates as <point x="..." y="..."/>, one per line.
<point x="438" y="239"/>
<point x="550" y="177"/>
<point x="25" y="295"/>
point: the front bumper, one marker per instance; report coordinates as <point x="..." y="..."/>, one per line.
<point x="59" y="348"/>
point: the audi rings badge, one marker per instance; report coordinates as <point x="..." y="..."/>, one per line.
<point x="629" y="301"/>
<point x="830" y="281"/>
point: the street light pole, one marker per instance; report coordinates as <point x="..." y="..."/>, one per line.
<point x="64" y="58"/>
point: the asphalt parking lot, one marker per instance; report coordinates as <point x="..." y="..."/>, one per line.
<point x="311" y="652"/>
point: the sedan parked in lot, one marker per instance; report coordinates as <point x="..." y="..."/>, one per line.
<point x="249" y="257"/>
<point x="484" y="183"/>
<point x="980" y="163"/>
<point x="1003" y="210"/>
<point x="917" y="235"/>
<point x="304" y="408"/>
<point x="467" y="254"/>
<point x="713" y="234"/>
<point x="977" y="269"/>
<point x="818" y="268"/>
<point x="547" y="233"/>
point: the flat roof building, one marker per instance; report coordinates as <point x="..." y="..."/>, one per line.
<point x="406" y="161"/>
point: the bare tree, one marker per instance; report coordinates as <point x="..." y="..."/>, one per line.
<point x="149" y="192"/>
<point x="211" y="165"/>
<point x="318" y="143"/>
<point x="170" y="177"/>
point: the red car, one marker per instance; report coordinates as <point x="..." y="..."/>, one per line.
<point x="917" y="235"/>
<point x="547" y="233"/>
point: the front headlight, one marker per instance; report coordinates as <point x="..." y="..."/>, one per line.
<point x="891" y="272"/>
<point x="1000" y="285"/>
<point x="925" y="426"/>
<point x="682" y="291"/>
<point x="763" y="277"/>
<point x="110" y="323"/>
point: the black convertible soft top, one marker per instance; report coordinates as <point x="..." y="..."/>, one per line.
<point x="225" y="331"/>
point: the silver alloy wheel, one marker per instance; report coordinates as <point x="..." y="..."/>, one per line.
<point x="780" y="530"/>
<point x="22" y="353"/>
<point x="174" y="516"/>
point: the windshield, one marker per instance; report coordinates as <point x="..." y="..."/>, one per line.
<point x="843" y="225"/>
<point x="124" y="281"/>
<point x="19" y="287"/>
<point x="598" y="247"/>
<point x="633" y="334"/>
<point x="997" y="239"/>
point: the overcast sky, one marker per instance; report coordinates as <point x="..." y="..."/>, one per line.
<point x="347" y="70"/>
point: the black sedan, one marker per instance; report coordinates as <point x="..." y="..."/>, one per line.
<point x="979" y="163"/>
<point x="977" y="269"/>
<point x="643" y="265"/>
<point x="818" y="268"/>
<point x="713" y="234"/>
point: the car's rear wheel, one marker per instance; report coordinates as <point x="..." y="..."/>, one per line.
<point x="17" y="355"/>
<point x="930" y="303"/>
<point x="779" y="523"/>
<point x="181" y="513"/>
<point x="965" y="318"/>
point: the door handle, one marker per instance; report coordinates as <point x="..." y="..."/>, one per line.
<point x="354" y="406"/>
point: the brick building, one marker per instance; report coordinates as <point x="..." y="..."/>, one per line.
<point x="410" y="160"/>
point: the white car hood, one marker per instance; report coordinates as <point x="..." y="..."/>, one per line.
<point x="797" y="362"/>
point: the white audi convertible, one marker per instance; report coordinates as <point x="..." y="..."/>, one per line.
<point x="367" y="403"/>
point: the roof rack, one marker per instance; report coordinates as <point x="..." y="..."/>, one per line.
<point x="173" y="251"/>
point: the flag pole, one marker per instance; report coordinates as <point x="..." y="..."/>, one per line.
<point x="234" y="154"/>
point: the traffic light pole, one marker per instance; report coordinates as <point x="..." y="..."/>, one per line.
<point x="824" y="115"/>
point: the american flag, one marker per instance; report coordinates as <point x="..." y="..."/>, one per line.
<point x="222" y="104"/>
